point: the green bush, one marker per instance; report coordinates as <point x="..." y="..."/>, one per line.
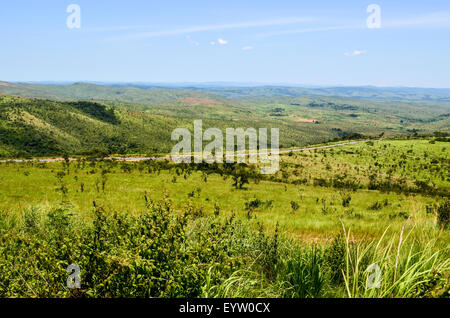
<point x="164" y="253"/>
<point x="443" y="214"/>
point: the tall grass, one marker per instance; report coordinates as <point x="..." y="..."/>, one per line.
<point x="302" y="272"/>
<point x="240" y="284"/>
<point x="163" y="254"/>
<point x="380" y="270"/>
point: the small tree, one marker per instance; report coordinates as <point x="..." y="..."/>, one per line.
<point x="295" y="206"/>
<point x="346" y="198"/>
<point x="443" y="214"/>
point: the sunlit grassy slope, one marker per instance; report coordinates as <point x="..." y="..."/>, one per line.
<point x="320" y="209"/>
<point x="36" y="127"/>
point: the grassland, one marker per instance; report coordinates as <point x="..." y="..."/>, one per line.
<point x="320" y="209"/>
<point x="300" y="222"/>
<point x="156" y="229"/>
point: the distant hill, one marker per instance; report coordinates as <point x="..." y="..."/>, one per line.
<point x="86" y="91"/>
<point x="153" y="93"/>
<point x="46" y="120"/>
<point x="362" y="92"/>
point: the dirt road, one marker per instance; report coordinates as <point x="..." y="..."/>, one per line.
<point x="168" y="157"/>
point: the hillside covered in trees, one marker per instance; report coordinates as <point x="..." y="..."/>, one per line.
<point x="43" y="127"/>
<point x="88" y="119"/>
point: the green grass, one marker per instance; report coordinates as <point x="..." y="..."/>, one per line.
<point x="155" y="229"/>
<point x="276" y="250"/>
<point x="320" y="207"/>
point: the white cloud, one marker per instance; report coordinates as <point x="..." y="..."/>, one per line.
<point x="437" y="19"/>
<point x="204" y="28"/>
<point x="192" y="41"/>
<point x="222" y="41"/>
<point x="212" y="43"/>
<point x="247" y="48"/>
<point x="309" y="30"/>
<point x="356" y="53"/>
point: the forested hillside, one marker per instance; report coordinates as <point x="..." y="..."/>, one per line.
<point x="363" y="92"/>
<point x="35" y="127"/>
<point x="44" y="127"/>
<point x="87" y="91"/>
<point x="95" y="119"/>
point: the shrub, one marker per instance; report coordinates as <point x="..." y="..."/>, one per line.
<point x="159" y="253"/>
<point x="443" y="214"/>
<point x="346" y="198"/>
<point x="294" y="206"/>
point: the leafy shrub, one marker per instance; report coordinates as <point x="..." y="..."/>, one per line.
<point x="257" y="203"/>
<point x="443" y="214"/>
<point x="159" y="253"/>
<point x="346" y="198"/>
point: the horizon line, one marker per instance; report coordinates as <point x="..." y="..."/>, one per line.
<point x="215" y="83"/>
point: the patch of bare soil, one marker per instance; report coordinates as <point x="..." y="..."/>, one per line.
<point x="303" y="120"/>
<point x="6" y="84"/>
<point x="200" y="101"/>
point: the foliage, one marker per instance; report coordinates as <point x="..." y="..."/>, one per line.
<point x="443" y="214"/>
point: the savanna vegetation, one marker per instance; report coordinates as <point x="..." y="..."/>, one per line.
<point x="86" y="119"/>
<point x="363" y="220"/>
<point x="322" y="227"/>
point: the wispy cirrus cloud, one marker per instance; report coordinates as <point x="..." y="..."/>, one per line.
<point x="436" y="19"/>
<point x="218" y="27"/>
<point x="355" y="53"/>
<point x="193" y="42"/>
<point x="309" y="30"/>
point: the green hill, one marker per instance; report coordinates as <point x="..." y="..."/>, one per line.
<point x="85" y="119"/>
<point x="87" y="91"/>
<point x="44" y="127"/>
<point x="362" y="92"/>
<point x="35" y="127"/>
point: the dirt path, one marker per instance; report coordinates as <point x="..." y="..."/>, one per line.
<point x="168" y="157"/>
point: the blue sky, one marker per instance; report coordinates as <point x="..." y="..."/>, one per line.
<point x="285" y="41"/>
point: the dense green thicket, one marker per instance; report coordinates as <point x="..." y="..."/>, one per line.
<point x="164" y="254"/>
<point x="30" y="127"/>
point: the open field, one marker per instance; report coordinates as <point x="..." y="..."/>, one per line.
<point x="305" y="178"/>
<point x="150" y="228"/>
<point x="375" y="191"/>
<point x="255" y="153"/>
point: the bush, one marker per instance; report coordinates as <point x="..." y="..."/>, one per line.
<point x="159" y="253"/>
<point x="167" y="253"/>
<point x="443" y="214"/>
<point x="294" y="206"/>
